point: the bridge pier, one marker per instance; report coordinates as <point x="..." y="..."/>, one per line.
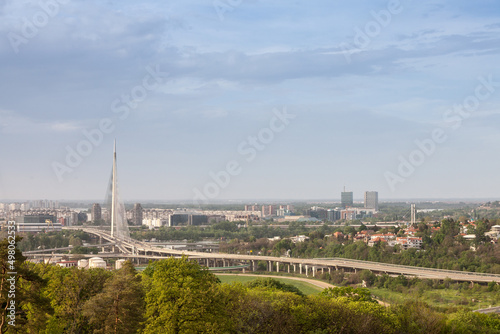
<point x="269" y="266"/>
<point x="139" y="249"/>
<point x="277" y="267"/>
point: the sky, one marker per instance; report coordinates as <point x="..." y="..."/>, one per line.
<point x="247" y="99"/>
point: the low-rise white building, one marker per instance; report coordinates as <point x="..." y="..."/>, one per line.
<point x="409" y="242"/>
<point x="299" y="238"/>
<point x="83" y="264"/>
<point x="67" y="264"/>
<point x="152" y="222"/>
<point x="97" y="262"/>
<point x="119" y="263"/>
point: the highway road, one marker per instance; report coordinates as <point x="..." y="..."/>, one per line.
<point x="135" y="247"/>
<point x="319" y="284"/>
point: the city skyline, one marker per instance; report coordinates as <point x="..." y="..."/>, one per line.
<point x="250" y="100"/>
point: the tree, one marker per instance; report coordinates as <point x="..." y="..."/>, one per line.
<point x="68" y="290"/>
<point x="75" y="241"/>
<point x="349" y="230"/>
<point x="283" y="246"/>
<point x="368" y="276"/>
<point x="182" y="297"/>
<point x="119" y="307"/>
<point x="480" y="231"/>
<point x="342" y="315"/>
<point x="22" y="305"/>
<point x="418" y="317"/>
<point x="354" y="294"/>
<point x="273" y="284"/>
<point x="226" y="226"/>
<point x="261" y="310"/>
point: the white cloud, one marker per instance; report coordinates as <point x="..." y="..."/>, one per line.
<point x="225" y="77"/>
<point x="13" y="123"/>
<point x="214" y="113"/>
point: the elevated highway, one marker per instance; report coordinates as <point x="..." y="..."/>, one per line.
<point x="53" y="250"/>
<point x="312" y="267"/>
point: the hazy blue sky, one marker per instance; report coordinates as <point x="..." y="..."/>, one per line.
<point x="184" y="86"/>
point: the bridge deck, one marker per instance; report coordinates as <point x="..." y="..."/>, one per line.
<point x="143" y="250"/>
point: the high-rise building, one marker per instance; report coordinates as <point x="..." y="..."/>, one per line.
<point x="254" y="207"/>
<point x="346" y="199"/>
<point x="96" y="212"/>
<point x="269" y="210"/>
<point x="137" y="214"/>
<point x="333" y="215"/>
<point x="371" y="200"/>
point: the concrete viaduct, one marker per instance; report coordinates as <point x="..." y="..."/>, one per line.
<point x="309" y="267"/>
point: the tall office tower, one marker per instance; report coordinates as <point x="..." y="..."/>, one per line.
<point x="371" y="200"/>
<point x="96" y="212"/>
<point x="346" y="199"/>
<point x="137" y="214"/>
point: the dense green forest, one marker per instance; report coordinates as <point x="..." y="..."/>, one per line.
<point x="179" y="296"/>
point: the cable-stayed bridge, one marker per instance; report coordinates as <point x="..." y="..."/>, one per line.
<point x="310" y="267"/>
<point x="118" y="238"/>
<point x="119" y="225"/>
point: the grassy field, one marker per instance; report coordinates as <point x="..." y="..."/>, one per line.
<point x="443" y="297"/>
<point x="306" y="288"/>
<point x="471" y="298"/>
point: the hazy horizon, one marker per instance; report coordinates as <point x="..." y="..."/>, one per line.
<point x="263" y="201"/>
